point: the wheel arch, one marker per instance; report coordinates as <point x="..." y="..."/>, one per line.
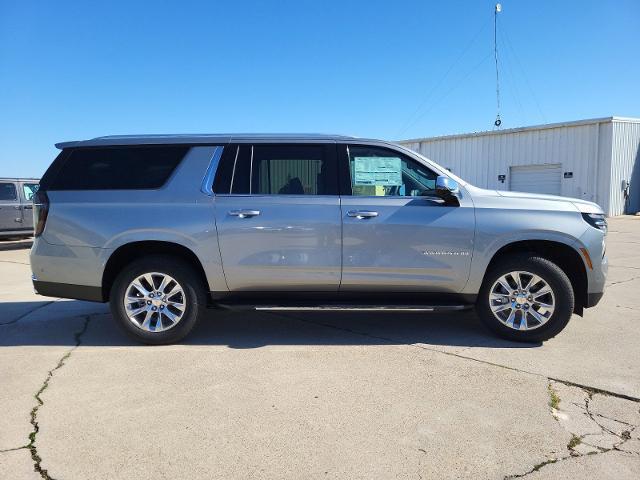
<point x="129" y="252"/>
<point x="563" y="255"/>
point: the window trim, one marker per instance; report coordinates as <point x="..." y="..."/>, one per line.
<point x="346" y="187"/>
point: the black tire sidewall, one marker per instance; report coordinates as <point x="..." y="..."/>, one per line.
<point x="552" y="274"/>
<point x="185" y="275"/>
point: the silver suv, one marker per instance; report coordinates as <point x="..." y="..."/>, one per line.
<point x="165" y="226"/>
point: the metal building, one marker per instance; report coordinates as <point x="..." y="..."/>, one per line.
<point x="596" y="160"/>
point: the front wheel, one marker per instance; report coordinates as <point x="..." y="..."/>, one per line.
<point x="526" y="298"/>
<point x="157" y="299"/>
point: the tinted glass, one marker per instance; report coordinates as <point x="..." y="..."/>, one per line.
<point x="8" y="192"/>
<point x="222" y="181"/>
<point x="286" y="170"/>
<point x="29" y="190"/>
<point x="380" y="172"/>
<point x="117" y="168"/>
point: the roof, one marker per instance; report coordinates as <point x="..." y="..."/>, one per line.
<point x="200" y="139"/>
<point x="547" y="126"/>
<point x="14" y="179"/>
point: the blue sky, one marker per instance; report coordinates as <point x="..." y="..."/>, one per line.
<point x="404" y="69"/>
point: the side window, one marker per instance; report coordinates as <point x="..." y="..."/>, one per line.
<point x="29" y="190"/>
<point x="275" y="169"/>
<point x="8" y="192"/>
<point x="379" y="172"/>
<point x="117" y="168"/>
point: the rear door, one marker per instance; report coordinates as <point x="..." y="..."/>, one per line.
<point x="10" y="211"/>
<point x="397" y="236"/>
<point x="278" y="217"/>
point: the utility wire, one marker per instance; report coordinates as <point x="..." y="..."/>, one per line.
<point x="455" y="86"/>
<point x="506" y="65"/>
<point x="411" y="119"/>
<point x="506" y="40"/>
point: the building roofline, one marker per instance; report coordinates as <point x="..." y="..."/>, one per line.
<point x="548" y="126"/>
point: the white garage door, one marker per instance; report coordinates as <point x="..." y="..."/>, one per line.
<point x="536" y="178"/>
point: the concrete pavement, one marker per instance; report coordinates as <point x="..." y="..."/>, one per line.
<point x="319" y="395"/>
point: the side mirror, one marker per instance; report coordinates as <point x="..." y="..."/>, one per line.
<point x="447" y="187"/>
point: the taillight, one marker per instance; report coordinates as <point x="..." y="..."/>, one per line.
<point x="40" y="211"/>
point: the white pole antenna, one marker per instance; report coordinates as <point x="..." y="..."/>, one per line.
<point x="497" y="10"/>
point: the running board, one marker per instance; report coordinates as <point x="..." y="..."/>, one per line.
<point x="349" y="308"/>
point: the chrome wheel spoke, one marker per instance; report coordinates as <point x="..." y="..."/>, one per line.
<point x="500" y="308"/>
<point x="148" y="307"/>
<point x="540" y="318"/>
<point x="518" y="280"/>
<point x="170" y="316"/>
<point x="532" y="281"/>
<point x="510" y="319"/>
<point x="137" y="311"/>
<point x="543" y="305"/>
<point x="541" y="292"/>
<point x="523" y="321"/>
<point x="138" y="286"/>
<point x="163" y="284"/>
<point x="147" y="320"/>
<point x="503" y="281"/>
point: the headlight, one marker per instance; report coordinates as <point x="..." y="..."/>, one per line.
<point x="596" y="220"/>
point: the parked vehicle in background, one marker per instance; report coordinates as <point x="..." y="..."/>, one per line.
<point x="16" y="206"/>
<point x="163" y="226"/>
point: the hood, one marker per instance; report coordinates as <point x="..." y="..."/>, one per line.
<point x="580" y="205"/>
<point x="583" y="206"/>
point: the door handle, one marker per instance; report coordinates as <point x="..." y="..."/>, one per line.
<point x="28" y="207"/>
<point x="244" y="213"/>
<point x="361" y="214"/>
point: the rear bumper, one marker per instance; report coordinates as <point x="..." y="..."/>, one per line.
<point x="66" y="290"/>
<point x="593" y="299"/>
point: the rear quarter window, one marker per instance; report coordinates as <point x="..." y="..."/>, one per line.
<point x="117" y="168"/>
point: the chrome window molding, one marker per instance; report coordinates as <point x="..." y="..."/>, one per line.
<point x="207" y="181"/>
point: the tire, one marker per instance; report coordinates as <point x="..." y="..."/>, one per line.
<point x="541" y="323"/>
<point x="190" y="294"/>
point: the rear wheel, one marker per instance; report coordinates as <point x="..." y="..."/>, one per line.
<point x="157" y="299"/>
<point x="526" y="298"/>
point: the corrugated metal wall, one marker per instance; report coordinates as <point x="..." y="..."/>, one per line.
<point x="625" y="165"/>
<point x="583" y="148"/>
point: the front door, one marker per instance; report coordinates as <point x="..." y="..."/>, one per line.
<point x="278" y="217"/>
<point x="397" y="236"/>
<point x="27" y="191"/>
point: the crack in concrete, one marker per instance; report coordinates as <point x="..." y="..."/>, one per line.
<point x="26" y="314"/>
<point x="577" y="440"/>
<point x="17" y="263"/>
<point x="623" y="281"/>
<point x="14" y="449"/>
<point x="458" y="355"/>
<point x="37" y="460"/>
<point x="590" y="391"/>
